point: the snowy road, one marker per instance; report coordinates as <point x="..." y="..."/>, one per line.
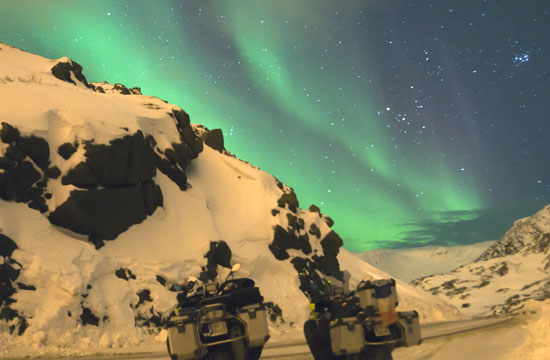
<point x="435" y="337"/>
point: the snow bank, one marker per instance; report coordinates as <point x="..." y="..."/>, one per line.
<point x="536" y="317"/>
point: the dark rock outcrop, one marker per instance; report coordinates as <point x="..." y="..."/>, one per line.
<point x="14" y="153"/>
<point x="88" y="317"/>
<point x="125" y="274"/>
<point x="274" y="312"/>
<point x="106" y="213"/>
<point x="66" y="150"/>
<point x="214" y="139"/>
<point x="288" y="239"/>
<point x="125" y="161"/>
<point x="6" y="163"/>
<point x="9" y="272"/>
<point x="144" y="296"/>
<point x="36" y="148"/>
<point x="8" y="134"/>
<point x="218" y="254"/>
<point x="7" y="246"/>
<point x="63" y="69"/>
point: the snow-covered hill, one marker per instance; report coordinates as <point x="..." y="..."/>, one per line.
<point x="512" y="271"/>
<point x="108" y="197"/>
<point x="414" y="263"/>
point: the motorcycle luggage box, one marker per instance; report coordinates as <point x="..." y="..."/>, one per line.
<point x="346" y="336"/>
<point x="367" y="293"/>
<point x="183" y="338"/>
<point x="255" y="317"/>
<point x="411" y="328"/>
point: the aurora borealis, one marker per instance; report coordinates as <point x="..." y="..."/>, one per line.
<point x="410" y="123"/>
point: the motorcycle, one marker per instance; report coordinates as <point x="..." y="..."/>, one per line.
<point x="352" y="323"/>
<point x="226" y="321"/>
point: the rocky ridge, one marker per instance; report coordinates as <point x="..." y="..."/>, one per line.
<point x="509" y="273"/>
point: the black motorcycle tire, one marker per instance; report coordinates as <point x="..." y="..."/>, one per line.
<point x="221" y="353"/>
<point x="173" y="357"/>
<point x="254" y="353"/>
<point x="238" y="348"/>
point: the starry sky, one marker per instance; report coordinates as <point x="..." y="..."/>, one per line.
<point x="409" y="122"/>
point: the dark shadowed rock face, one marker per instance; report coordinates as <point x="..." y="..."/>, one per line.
<point x="124" y="162"/>
<point x="105" y="213"/>
<point x="9" y="272"/>
<point x="7" y="246"/>
<point x="116" y="179"/>
<point x="36" y="148"/>
<point x="296" y="237"/>
<point x="218" y="254"/>
<point x="22" y="169"/>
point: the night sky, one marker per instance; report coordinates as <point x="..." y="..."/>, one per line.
<point x="409" y="122"/>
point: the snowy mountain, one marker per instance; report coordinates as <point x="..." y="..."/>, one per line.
<point x="506" y="275"/>
<point x="108" y="197"/>
<point x="414" y="263"/>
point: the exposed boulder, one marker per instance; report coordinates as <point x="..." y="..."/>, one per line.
<point x="88" y="317"/>
<point x="288" y="239"/>
<point x="125" y="274"/>
<point x="314" y="208"/>
<point x="7" y="246"/>
<point x="122" y="89"/>
<point x="331" y="244"/>
<point x="218" y="254"/>
<point x="144" y="296"/>
<point x="314" y="230"/>
<point x="66" y="150"/>
<point x="36" y="148"/>
<point x="289" y="199"/>
<point x="63" y="69"/>
<point x="214" y="139"/>
<point x="25" y="175"/>
<point x="52" y="172"/>
<point x="8" y="134"/>
<point x="274" y="312"/>
<point x="328" y="220"/>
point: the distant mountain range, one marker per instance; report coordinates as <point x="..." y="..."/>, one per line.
<point x="414" y="263"/>
<point x="501" y="279"/>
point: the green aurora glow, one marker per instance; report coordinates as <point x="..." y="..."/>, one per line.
<point x="296" y="91"/>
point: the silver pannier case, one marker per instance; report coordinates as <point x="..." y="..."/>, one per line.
<point x="411" y="328"/>
<point x="255" y="317"/>
<point x="182" y="336"/>
<point x="346" y="336"/>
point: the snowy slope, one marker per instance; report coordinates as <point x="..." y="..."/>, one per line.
<point x="414" y="263"/>
<point x="75" y="292"/>
<point x="512" y="271"/>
